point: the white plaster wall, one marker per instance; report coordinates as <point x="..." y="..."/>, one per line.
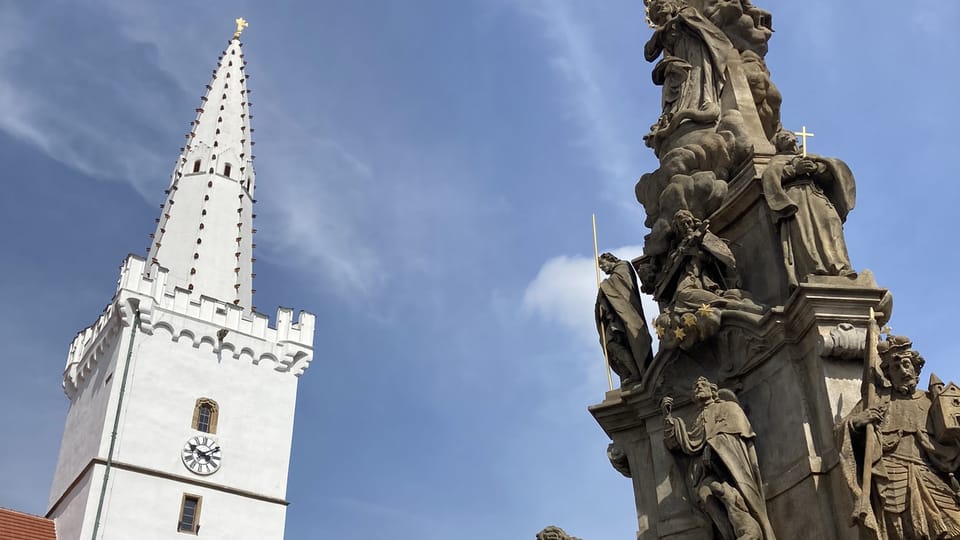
<point x="89" y="420"/>
<point x="141" y="507"/>
<point x="166" y="377"/>
<point x="216" y="276"/>
<point x="71" y="512"/>
<point x="180" y="231"/>
<point x="256" y="409"/>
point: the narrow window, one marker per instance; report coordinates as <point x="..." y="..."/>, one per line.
<point x="205" y="415"/>
<point x="189" y="514"/>
<point x="196" y="166"/>
<point x="226" y="169"/>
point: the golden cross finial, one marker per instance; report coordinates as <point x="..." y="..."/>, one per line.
<point x="803" y="134"/>
<point x="241" y="24"/>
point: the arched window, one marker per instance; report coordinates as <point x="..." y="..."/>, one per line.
<point x="205" y="415"/>
<point x="226" y="169"/>
<point x="196" y="166"/>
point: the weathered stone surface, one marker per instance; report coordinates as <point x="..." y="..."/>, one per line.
<point x="722" y="473"/>
<point x="554" y="533"/>
<point x="809" y="198"/>
<point x="747" y="260"/>
<point x="696" y="285"/>
<point x="791" y="394"/>
<point x="899" y="466"/>
<point x="620" y="321"/>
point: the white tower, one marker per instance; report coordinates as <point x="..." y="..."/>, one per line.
<point x="181" y="395"/>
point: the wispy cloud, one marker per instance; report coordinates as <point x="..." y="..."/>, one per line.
<point x="89" y="100"/>
<point x="565" y="290"/>
<point x="316" y="202"/>
<point x="936" y="21"/>
<point x="592" y="88"/>
<point x="101" y="101"/>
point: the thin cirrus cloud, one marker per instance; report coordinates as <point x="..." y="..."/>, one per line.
<point x="118" y="82"/>
<point x="591" y="87"/>
<point x="130" y="97"/>
<point x="564" y="292"/>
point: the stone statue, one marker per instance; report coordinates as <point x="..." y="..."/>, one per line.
<point x="915" y="493"/>
<point x="699" y="267"/>
<point x="698" y="282"/>
<point x="554" y="533"/>
<point x="620" y="321"/>
<point x="765" y="94"/>
<point x="810" y="198"/>
<point x="845" y="341"/>
<point x="723" y="475"/>
<point x="693" y="70"/>
<point x="618" y="460"/>
<point x="746" y="26"/>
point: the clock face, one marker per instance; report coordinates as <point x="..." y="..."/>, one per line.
<point x="201" y="455"/>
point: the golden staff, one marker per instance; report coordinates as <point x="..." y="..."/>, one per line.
<point x="603" y="334"/>
<point x="869" y="390"/>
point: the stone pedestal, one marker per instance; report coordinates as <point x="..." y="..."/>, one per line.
<point x="793" y="390"/>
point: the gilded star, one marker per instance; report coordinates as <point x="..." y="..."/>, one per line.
<point x="689" y="320"/>
<point x="660" y="330"/>
<point x="705" y="310"/>
<point x="679" y="334"/>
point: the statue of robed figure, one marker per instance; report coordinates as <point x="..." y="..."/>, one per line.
<point x="723" y="474"/>
<point x="620" y="320"/>
<point x="810" y="197"/>
<point x="683" y="34"/>
<point x="693" y="69"/>
<point x="697" y="285"/>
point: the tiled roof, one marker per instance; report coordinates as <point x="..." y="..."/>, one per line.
<point x="19" y="526"/>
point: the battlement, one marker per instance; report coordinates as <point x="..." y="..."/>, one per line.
<point x="226" y="315"/>
<point x="196" y="319"/>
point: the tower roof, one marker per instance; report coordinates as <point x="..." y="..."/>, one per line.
<point x="204" y="232"/>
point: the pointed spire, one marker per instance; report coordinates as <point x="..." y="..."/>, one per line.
<point x="204" y="233"/>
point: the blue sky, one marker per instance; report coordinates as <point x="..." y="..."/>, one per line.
<point x="426" y="173"/>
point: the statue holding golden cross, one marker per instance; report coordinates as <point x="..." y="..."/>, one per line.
<point x="241" y="24"/>
<point x="803" y="134"/>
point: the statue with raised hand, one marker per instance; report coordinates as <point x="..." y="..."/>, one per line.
<point x="723" y="474"/>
